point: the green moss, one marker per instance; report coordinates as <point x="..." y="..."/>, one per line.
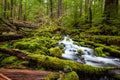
<point x="99" y="51"/>
<point x="67" y="69"/>
<point x="68" y="39"/>
<point x="51" y="76"/>
<point x="10" y="59"/>
<point x="56" y="52"/>
<point x="79" y="52"/>
<point x="76" y="43"/>
<point x="53" y="63"/>
<point x="82" y="43"/>
<point x="71" y="76"/>
<point x="111" y="51"/>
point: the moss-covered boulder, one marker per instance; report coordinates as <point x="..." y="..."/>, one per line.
<point x="79" y="52"/>
<point x="71" y="76"/>
<point x="55" y="52"/>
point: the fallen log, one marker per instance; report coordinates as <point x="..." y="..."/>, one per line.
<point x="4" y="38"/>
<point x="7" y="23"/>
<point x="20" y="24"/>
<point x="16" y="53"/>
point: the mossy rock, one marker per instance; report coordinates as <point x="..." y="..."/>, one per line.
<point x="79" y="52"/>
<point x="8" y="60"/>
<point x="67" y="69"/>
<point x="71" y="76"/>
<point x="55" y="52"/>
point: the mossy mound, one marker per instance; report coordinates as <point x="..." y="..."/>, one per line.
<point x="55" y="52"/>
<point x="79" y="52"/>
<point x="71" y="76"/>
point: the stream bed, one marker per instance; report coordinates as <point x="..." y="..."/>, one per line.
<point x="87" y="57"/>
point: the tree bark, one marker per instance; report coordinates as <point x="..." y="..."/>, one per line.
<point x="11" y="10"/>
<point x="18" y="54"/>
<point x="25" y="12"/>
<point x="20" y="10"/>
<point x="51" y="9"/>
<point x="4" y="8"/>
<point x="111" y="10"/>
<point x="59" y="8"/>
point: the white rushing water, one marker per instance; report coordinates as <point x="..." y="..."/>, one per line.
<point x="87" y="56"/>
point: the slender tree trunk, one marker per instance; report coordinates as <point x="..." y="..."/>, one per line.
<point x="90" y="13"/>
<point x="25" y="12"/>
<point x="4" y="8"/>
<point x="59" y="8"/>
<point x="86" y="6"/>
<point x="51" y="9"/>
<point x="20" y="10"/>
<point x="81" y="8"/>
<point x="11" y="10"/>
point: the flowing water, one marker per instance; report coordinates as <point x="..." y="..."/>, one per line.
<point x="87" y="57"/>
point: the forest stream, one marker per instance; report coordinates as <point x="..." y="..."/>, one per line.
<point x="87" y="55"/>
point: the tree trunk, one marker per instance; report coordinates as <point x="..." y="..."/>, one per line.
<point x="111" y="10"/>
<point x="25" y="12"/>
<point x="51" y="9"/>
<point x="4" y="8"/>
<point x="81" y="8"/>
<point x="90" y="13"/>
<point x="11" y="10"/>
<point x="20" y="10"/>
<point x="59" y="8"/>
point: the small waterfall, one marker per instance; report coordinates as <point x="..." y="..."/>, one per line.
<point x="87" y="57"/>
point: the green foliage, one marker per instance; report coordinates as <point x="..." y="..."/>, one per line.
<point x="55" y="52"/>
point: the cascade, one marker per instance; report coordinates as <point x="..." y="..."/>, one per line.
<point x="87" y="57"/>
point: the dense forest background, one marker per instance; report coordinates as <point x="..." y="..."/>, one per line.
<point x="70" y="13"/>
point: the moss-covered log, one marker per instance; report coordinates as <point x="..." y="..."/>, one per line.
<point x="16" y="53"/>
<point x="53" y="63"/>
<point x="7" y="23"/>
<point x="38" y="61"/>
<point x="23" y="24"/>
<point x="112" y="51"/>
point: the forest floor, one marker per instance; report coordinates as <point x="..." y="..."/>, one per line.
<point x="40" y="47"/>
